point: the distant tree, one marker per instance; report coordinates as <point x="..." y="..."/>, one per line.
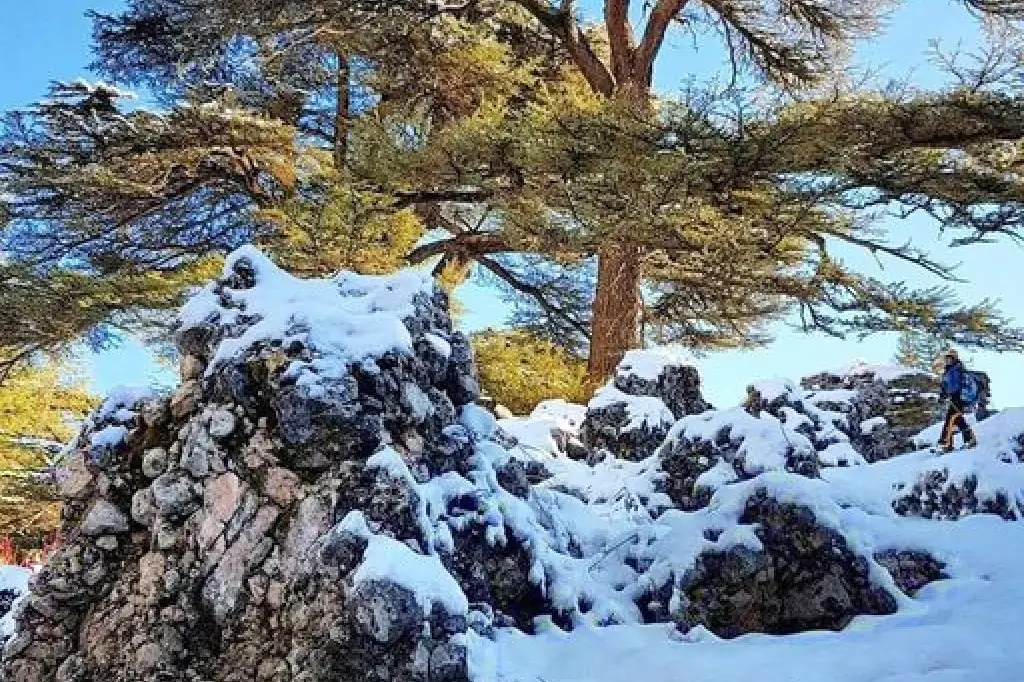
<point x="39" y="411"/>
<point x="519" y="370"/>
<point x="920" y="351"/>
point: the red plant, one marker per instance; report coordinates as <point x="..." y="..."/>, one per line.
<point x="8" y="552"/>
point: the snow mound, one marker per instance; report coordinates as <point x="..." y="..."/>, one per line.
<point x="882" y="372"/>
<point x="342" y="320"/>
<point x="650" y="363"/>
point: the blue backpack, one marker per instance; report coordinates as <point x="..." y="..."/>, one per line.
<point x="969" y="390"/>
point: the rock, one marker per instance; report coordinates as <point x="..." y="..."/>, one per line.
<point x="186" y="399"/>
<point x="281" y="485"/>
<point x="73" y="669"/>
<point x="144" y="507"/>
<point x="512" y="477"/>
<point x="911" y="570"/>
<point x="935" y="495"/>
<point x="103" y="518"/>
<point x="190" y="367"/>
<point x="222" y="589"/>
<point x="221" y="499"/>
<point x="448" y="663"/>
<point x="78" y="484"/>
<point x="149" y="656"/>
<point x="886" y="408"/>
<point x="222" y="423"/>
<point x="108" y="543"/>
<point x="154" y="462"/>
<point x="631" y="416"/>
<point x="384" y="611"/>
<point x="152" y="567"/>
<point x="806" y="578"/>
<point x="173" y="494"/>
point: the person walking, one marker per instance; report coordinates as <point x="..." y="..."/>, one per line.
<point x="957" y="388"/>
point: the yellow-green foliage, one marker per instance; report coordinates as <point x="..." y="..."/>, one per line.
<point x="519" y="370"/>
<point x="332" y="226"/>
<point x="35" y="403"/>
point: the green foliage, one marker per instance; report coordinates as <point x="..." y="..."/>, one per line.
<point x="39" y="410"/>
<point x="328" y="225"/>
<point x="338" y="135"/>
<point x="519" y="370"/>
<point x="922" y="351"/>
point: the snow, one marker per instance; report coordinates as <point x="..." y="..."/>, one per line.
<point x="388" y="559"/>
<point x="869" y="425"/>
<point x="771" y="389"/>
<point x="560" y="410"/>
<point x="629" y="538"/>
<point x="642" y="411"/>
<point x="344" y="320"/>
<point x="109" y="436"/>
<point x="882" y="372"/>
<point x="441" y="345"/>
<point x="13" y="578"/>
<point x="650" y="363"/>
<point x="766" y="439"/>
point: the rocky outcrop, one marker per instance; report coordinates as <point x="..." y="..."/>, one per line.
<point x="910" y="569"/>
<point x="705" y="452"/>
<point x="937" y="495"/>
<point x="804" y="577"/>
<point x="215" y="533"/>
<point x="631" y="416"/>
<point x="322" y="499"/>
<point x="884" y="406"/>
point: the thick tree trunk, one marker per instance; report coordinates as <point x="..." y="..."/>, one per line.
<point x="615" y="325"/>
<point x="342" y="113"/>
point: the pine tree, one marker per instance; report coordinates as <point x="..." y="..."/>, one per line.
<point x="535" y="144"/>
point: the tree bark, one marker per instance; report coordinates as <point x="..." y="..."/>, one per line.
<point x="342" y="113"/>
<point x="615" y="325"/>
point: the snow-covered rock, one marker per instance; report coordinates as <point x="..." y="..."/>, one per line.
<point x="632" y="414"/>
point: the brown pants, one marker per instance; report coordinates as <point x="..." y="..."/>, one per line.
<point x="955" y="420"/>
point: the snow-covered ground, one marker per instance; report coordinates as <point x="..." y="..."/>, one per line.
<point x="963" y="628"/>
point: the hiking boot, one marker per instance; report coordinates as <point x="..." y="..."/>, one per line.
<point x="945" y="449"/>
<point x="972" y="442"/>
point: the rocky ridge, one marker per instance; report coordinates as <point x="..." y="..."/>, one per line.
<point x="322" y="499"/>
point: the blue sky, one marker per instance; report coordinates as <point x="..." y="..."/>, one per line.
<point x="39" y="45"/>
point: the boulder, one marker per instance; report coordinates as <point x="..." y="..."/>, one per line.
<point x="631" y="416"/>
<point x="806" y="577"/>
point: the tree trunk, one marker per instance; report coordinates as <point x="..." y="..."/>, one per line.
<point x="342" y="112"/>
<point x="615" y="325"/>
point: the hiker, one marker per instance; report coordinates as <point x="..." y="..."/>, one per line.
<point x="959" y="387"/>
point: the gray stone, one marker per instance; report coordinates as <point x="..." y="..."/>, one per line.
<point x="448" y="663"/>
<point x="104" y="518"/>
<point x="384" y="611"/>
<point x="222" y="423"/>
<point x="154" y="462"/>
<point x="108" y="543"/>
<point x="144" y="507"/>
<point x="173" y="494"/>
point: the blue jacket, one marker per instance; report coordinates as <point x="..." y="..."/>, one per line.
<point x="953" y="380"/>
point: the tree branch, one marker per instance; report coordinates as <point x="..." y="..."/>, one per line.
<point x="620" y="38"/>
<point x="563" y="25"/>
<point x="471" y="244"/>
<point x="535" y="293"/>
<point x="654" y="35"/>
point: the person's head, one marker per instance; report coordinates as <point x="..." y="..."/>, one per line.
<point x="949" y="357"/>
